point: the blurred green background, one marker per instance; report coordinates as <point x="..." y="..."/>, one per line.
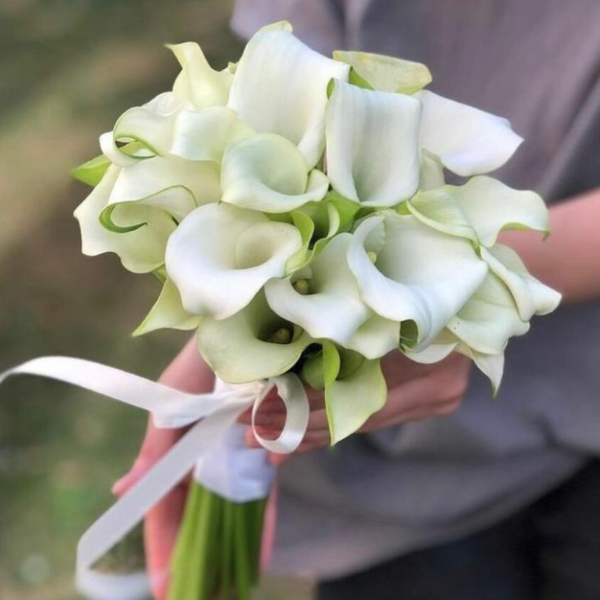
<point x="68" y="68"/>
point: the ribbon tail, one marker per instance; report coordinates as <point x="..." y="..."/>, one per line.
<point x="127" y="512"/>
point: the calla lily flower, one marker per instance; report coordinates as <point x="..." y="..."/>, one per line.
<point x="372" y="145"/>
<point x="175" y="185"/>
<point x="480" y="210"/>
<point x="143" y="230"/>
<point x="499" y="310"/>
<point x="489" y="319"/>
<point x="467" y="140"/>
<point x="197" y="87"/>
<point x="168" y="312"/>
<point x="385" y="73"/>
<point x="531" y="296"/>
<point x="253" y="344"/>
<point x="329" y="305"/>
<point x="267" y="173"/>
<point x="280" y="86"/>
<point x="409" y="272"/>
<point x="220" y="256"/>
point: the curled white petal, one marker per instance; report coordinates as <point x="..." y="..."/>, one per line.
<point x="198" y="85"/>
<point x="149" y="126"/>
<point x="266" y="172"/>
<point x="280" y="86"/>
<point x="172" y="184"/>
<point x="333" y="309"/>
<point x="372" y="145"/>
<point x="531" y="296"/>
<point x="489" y="319"/>
<point x="468" y="141"/>
<point x="238" y="348"/>
<point x="220" y="256"/>
<point x="420" y="274"/>
<point x="480" y="209"/>
<point x="204" y="135"/>
<point x="141" y="250"/>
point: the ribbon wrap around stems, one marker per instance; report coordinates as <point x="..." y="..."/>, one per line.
<point x="211" y="416"/>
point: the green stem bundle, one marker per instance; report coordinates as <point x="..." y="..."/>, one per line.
<point x="217" y="554"/>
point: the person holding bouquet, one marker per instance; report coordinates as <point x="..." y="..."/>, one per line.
<point x="447" y="494"/>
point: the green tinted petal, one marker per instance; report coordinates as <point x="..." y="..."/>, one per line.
<point x="239" y="350"/>
<point x="168" y="313"/>
<point x="385" y="73"/>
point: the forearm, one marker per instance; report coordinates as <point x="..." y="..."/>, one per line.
<point x="568" y="260"/>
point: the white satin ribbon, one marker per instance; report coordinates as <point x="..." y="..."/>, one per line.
<point x="212" y="415"/>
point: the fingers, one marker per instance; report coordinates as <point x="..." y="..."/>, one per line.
<point x="439" y="393"/>
<point x="317" y="421"/>
<point x="268" y="536"/>
<point x="139" y="469"/>
<point x="273" y="405"/>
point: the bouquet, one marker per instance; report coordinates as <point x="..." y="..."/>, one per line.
<point x="295" y="211"/>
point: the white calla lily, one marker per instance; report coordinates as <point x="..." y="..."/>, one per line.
<point x="220" y="256"/>
<point x="531" y="296"/>
<point x="253" y="344"/>
<point x="151" y="126"/>
<point x="328" y="305"/>
<point x="145" y="229"/>
<point x="409" y="272"/>
<point x="204" y="135"/>
<point x="172" y="184"/>
<point x="372" y="145"/>
<point x="468" y="141"/>
<point x="198" y="85"/>
<point x="481" y="330"/>
<point x="280" y="86"/>
<point x="267" y="173"/>
<point x="332" y="307"/>
<point x="168" y="312"/>
<point x="385" y="73"/>
<point x="489" y="319"/>
<point x="480" y="210"/>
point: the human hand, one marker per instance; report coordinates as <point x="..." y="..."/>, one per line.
<point x="415" y="391"/>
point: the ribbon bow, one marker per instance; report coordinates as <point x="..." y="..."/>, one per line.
<point x="211" y="416"/>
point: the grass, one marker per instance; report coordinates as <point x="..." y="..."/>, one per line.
<point x="67" y="70"/>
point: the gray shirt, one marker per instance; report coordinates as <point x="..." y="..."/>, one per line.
<point x="536" y="62"/>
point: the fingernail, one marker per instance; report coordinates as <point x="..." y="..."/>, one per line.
<point x="120" y="485"/>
